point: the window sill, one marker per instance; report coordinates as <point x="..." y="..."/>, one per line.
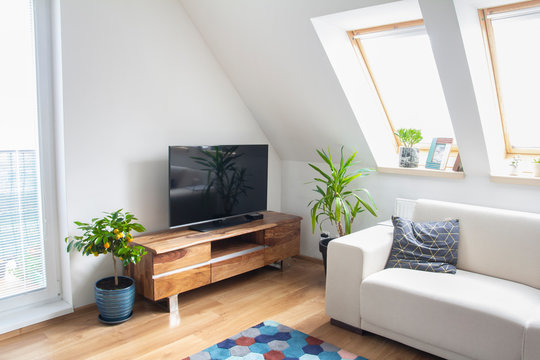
<point x="30" y="315"/>
<point x="521" y="179"/>
<point x="421" y="171"/>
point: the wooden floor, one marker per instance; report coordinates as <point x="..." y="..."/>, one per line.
<point x="293" y="297"/>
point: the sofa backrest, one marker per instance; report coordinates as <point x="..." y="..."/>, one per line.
<point x="495" y="242"/>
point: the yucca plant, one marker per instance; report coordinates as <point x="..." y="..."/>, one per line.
<point x="337" y="203"/>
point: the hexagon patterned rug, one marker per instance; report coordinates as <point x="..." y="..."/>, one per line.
<point x="270" y="340"/>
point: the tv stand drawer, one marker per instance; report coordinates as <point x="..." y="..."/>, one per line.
<point x="181" y="258"/>
<point x="173" y="284"/>
<point x="237" y="265"/>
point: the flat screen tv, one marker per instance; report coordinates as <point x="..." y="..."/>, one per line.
<point x="213" y="186"/>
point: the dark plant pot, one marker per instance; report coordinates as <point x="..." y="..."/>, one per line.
<point x="115" y="305"/>
<point x="323" y="248"/>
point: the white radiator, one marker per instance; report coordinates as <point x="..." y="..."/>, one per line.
<point x="404" y="208"/>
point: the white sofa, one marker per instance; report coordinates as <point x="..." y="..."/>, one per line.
<point x="490" y="309"/>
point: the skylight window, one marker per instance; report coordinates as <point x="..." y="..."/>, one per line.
<point x="511" y="34"/>
<point x="400" y="62"/>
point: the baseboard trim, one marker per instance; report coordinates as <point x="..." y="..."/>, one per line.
<point x="348" y="327"/>
<point x="309" y="258"/>
<point x="31" y="317"/>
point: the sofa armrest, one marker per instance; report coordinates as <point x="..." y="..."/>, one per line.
<point x="531" y="343"/>
<point x="350" y="260"/>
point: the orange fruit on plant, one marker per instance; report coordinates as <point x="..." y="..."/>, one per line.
<point x="107" y="245"/>
<point x="115" y="231"/>
<point x="119" y="235"/>
<point x="96" y="254"/>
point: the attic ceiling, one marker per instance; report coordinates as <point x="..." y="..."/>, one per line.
<point x="271" y="53"/>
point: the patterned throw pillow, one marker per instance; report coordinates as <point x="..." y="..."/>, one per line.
<point x="429" y="246"/>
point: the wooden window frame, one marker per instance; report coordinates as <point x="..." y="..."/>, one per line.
<point x="359" y="49"/>
<point x="491" y="53"/>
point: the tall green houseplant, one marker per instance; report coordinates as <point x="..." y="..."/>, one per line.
<point x="337" y="202"/>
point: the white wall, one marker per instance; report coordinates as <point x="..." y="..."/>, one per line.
<point x="385" y="188"/>
<point x="272" y="55"/>
<point x="137" y="78"/>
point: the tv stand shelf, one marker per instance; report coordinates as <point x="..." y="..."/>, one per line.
<point x="179" y="260"/>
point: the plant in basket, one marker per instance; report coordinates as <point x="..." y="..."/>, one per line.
<point x="115" y="295"/>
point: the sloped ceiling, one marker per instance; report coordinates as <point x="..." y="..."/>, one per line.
<point x="271" y="53"/>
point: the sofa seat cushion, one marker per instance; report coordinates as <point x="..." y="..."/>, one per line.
<point x="483" y="316"/>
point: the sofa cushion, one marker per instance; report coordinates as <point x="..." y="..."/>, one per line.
<point x="481" y="316"/>
<point x="430" y="246"/>
<point x="496" y="242"/>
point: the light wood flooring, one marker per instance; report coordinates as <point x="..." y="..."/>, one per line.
<point x="293" y="297"/>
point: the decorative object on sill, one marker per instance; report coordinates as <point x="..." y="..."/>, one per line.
<point x="111" y="234"/>
<point x="271" y="340"/>
<point x="408" y="154"/>
<point x="438" y="153"/>
<point x="536" y="167"/>
<point x="337" y="202"/>
<point x="458" y="167"/>
<point x="515" y="165"/>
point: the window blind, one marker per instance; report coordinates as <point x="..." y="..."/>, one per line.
<point x="403" y="69"/>
<point x="22" y="264"/>
<point x="21" y="243"/>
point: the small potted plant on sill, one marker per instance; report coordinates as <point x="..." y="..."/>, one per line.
<point x="408" y="154"/>
<point x="337" y="202"/>
<point x="514" y="164"/>
<point x="536" y="167"/>
<point x="115" y="295"/>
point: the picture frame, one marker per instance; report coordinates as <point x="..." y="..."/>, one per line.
<point x="457" y="164"/>
<point x="438" y="153"/>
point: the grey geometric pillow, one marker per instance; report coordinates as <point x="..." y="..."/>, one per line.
<point x="429" y="246"/>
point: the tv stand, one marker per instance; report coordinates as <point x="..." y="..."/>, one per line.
<point x="219" y="224"/>
<point x="179" y="260"/>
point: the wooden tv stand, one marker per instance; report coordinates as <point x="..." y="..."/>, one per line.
<point x="179" y="260"/>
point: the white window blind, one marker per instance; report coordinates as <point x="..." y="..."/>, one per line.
<point x="22" y="265"/>
<point x="403" y="67"/>
<point x="517" y="58"/>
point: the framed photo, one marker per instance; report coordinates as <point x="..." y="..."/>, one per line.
<point x="438" y="153"/>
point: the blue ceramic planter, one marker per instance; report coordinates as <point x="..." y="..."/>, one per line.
<point x="115" y="306"/>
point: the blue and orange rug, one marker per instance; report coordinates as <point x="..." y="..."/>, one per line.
<point x="270" y="340"/>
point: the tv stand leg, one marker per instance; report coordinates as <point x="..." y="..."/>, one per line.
<point x="173" y="303"/>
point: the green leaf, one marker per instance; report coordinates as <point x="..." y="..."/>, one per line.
<point x="327" y="177"/>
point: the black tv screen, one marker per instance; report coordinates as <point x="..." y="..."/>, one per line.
<point x="209" y="183"/>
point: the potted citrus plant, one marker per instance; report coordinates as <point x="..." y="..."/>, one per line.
<point x="536" y="166"/>
<point x="115" y="295"/>
<point x="338" y="203"/>
<point x="408" y="154"/>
